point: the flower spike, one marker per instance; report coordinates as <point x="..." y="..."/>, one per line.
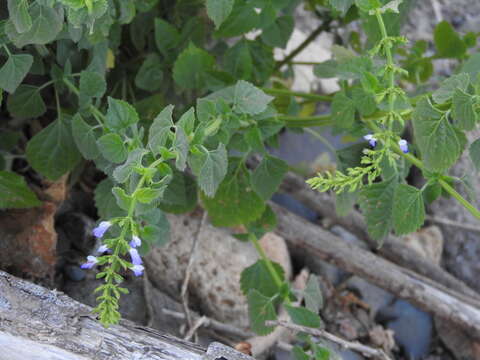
<point x="91" y="262"/>
<point x="136" y="259"/>
<point x="137" y="269"/>
<point x="136" y="241"/>
<point x="371" y="140"/>
<point x="403" y="145"/>
<point x="101" y="229"/>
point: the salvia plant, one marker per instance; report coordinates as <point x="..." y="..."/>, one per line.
<point x="169" y="99"/>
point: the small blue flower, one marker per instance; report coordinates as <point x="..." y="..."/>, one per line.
<point x="403" y="145"/>
<point x="102" y="249"/>
<point x="91" y="262"/>
<point x="101" y="229"/>
<point x="137" y="269"/>
<point x="136" y="241"/>
<point x="371" y="140"/>
<point x="136" y="259"/>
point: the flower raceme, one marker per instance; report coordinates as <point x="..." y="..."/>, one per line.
<point x="371" y="140"/>
<point x="403" y="145"/>
<point x="101" y="229"/>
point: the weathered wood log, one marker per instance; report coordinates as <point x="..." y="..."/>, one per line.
<point x="41" y="324"/>
<point x="392" y="249"/>
<point x="308" y="240"/>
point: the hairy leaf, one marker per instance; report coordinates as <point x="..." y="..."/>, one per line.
<point x="249" y="99"/>
<point x="302" y="316"/>
<point x="268" y="176"/>
<point x="120" y="114"/>
<point x="448" y="87"/>
<point x="313" y="294"/>
<point x="85" y="138"/>
<point x="260" y="309"/>
<point x="408" y="209"/>
<point x="475" y="153"/>
<point x="158" y="134"/>
<point x="259" y="278"/>
<point x="448" y="42"/>
<point x="112" y="148"/>
<point x="18" y="10"/>
<point x="463" y="110"/>
<point x="219" y="10"/>
<point x="15" y="192"/>
<point x="14" y="71"/>
<point x="26" y="102"/>
<point x="343" y="110"/>
<point x="92" y="84"/>
<point x="191" y="66"/>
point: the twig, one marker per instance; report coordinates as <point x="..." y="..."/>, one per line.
<point x="452" y="223"/>
<point x="188" y="272"/>
<point x="198" y="324"/>
<point x="147" y="294"/>
<point x="323" y="27"/>
<point x="356" y="346"/>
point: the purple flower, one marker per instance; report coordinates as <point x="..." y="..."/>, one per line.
<point x="137" y="269"/>
<point x="136" y="241"/>
<point x="371" y="140"/>
<point x="403" y="145"/>
<point x="101" y="229"/>
<point x="136" y="259"/>
<point x="91" y="261"/>
<point x="102" y="249"/>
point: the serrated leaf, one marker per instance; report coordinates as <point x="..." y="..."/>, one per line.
<point x="249" y="99"/>
<point x="463" y="111"/>
<point x="408" y="209"/>
<point x="343" y="110"/>
<point x="167" y="36"/>
<point x="448" y="42"/>
<point x="158" y="134"/>
<point x="112" y="148"/>
<point x="439" y="143"/>
<point x="302" y="316"/>
<point x="299" y="354"/>
<point x="212" y="171"/>
<point x="367" y="5"/>
<point x="235" y="202"/>
<point x="258" y="277"/>
<point x="448" y="87"/>
<point x="18" y="11"/>
<point x="238" y="60"/>
<point x="253" y="137"/>
<point x="342" y="5"/>
<point x="15" y="194"/>
<point x="181" y="146"/>
<point x="46" y="25"/>
<point x="92" y="84"/>
<point x="14" y="71"/>
<point x="187" y="121"/>
<point x="26" y="102"/>
<point x="150" y="75"/>
<point x="123" y="200"/>
<point x="278" y="33"/>
<point x="85" y="138"/>
<point x="147" y="195"/>
<point x="52" y="152"/>
<point x="326" y="69"/>
<point x="123" y="172"/>
<point x="242" y="19"/>
<point x="219" y="10"/>
<point x="474" y="152"/>
<point x="268" y="176"/>
<point x="120" y="114"/>
<point x="191" y="66"/>
<point x="105" y="202"/>
<point x="260" y="309"/>
<point x="181" y="194"/>
<point x="376" y="202"/>
<point x="267" y="222"/>
<point x="313" y="295"/>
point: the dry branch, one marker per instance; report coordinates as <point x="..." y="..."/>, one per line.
<point x="308" y="240"/>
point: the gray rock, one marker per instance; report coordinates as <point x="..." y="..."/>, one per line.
<point x="74" y="272"/>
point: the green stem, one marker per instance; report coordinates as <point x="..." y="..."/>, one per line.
<point x="298" y="94"/>
<point x="92" y="108"/>
<point x="306" y="121"/>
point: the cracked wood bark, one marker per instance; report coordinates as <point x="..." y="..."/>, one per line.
<point x="393" y="249"/>
<point x="308" y="240"/>
<point x="37" y="323"/>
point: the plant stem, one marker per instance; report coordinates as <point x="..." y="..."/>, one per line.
<point x="92" y="108"/>
<point x="267" y="261"/>
<point x="306" y="121"/>
<point x="298" y="94"/>
<point x="324" y="141"/>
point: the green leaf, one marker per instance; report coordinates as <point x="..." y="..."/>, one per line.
<point x="112" y="148"/>
<point x="123" y="200"/>
<point x="181" y="146"/>
<point x="376" y="202"/>
<point x="92" y="84"/>
<point x="249" y="99"/>
<point x="238" y="60"/>
<point x="159" y="132"/>
<point x="367" y="5"/>
<point x="439" y="143"/>
<point x="253" y="137"/>
<point x="150" y="74"/>
<point x="268" y="176"/>
<point x="120" y="114"/>
<point x="105" y="202"/>
<point x="463" y="111"/>
<point x="9" y="139"/>
<point x="448" y="87"/>
<point x="408" y="209"/>
<point x="167" y="36"/>
<point x="157" y="234"/>
<point x="343" y="110"/>
<point x="448" y="42"/>
<point x="14" y="71"/>
<point x="85" y="138"/>
<point x="278" y="34"/>
<point x="474" y="152"/>
<point x="258" y="277"/>
<point x="267" y="222"/>
<point x="260" y="309"/>
<point x="219" y="10"/>
<point x="235" y="203"/>
<point x="187" y="121"/>
<point x="18" y="11"/>
<point x="181" y="194"/>
<point x="472" y="66"/>
<point x="302" y="316"/>
<point x="134" y="159"/>
<point x="191" y="66"/>
<point x="26" y="102"/>
<point x="15" y="192"/>
<point x="299" y="354"/>
<point x="52" y="152"/>
<point x="148" y="195"/>
<point x="211" y="169"/>
<point x="326" y="69"/>
<point x="342" y="5"/>
<point x="313" y="295"/>
<point x="242" y="19"/>
<point x="46" y="25"/>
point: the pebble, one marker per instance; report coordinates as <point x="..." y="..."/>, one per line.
<point x="74" y="273"/>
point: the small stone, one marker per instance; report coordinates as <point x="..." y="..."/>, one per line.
<point x="74" y="273"/>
